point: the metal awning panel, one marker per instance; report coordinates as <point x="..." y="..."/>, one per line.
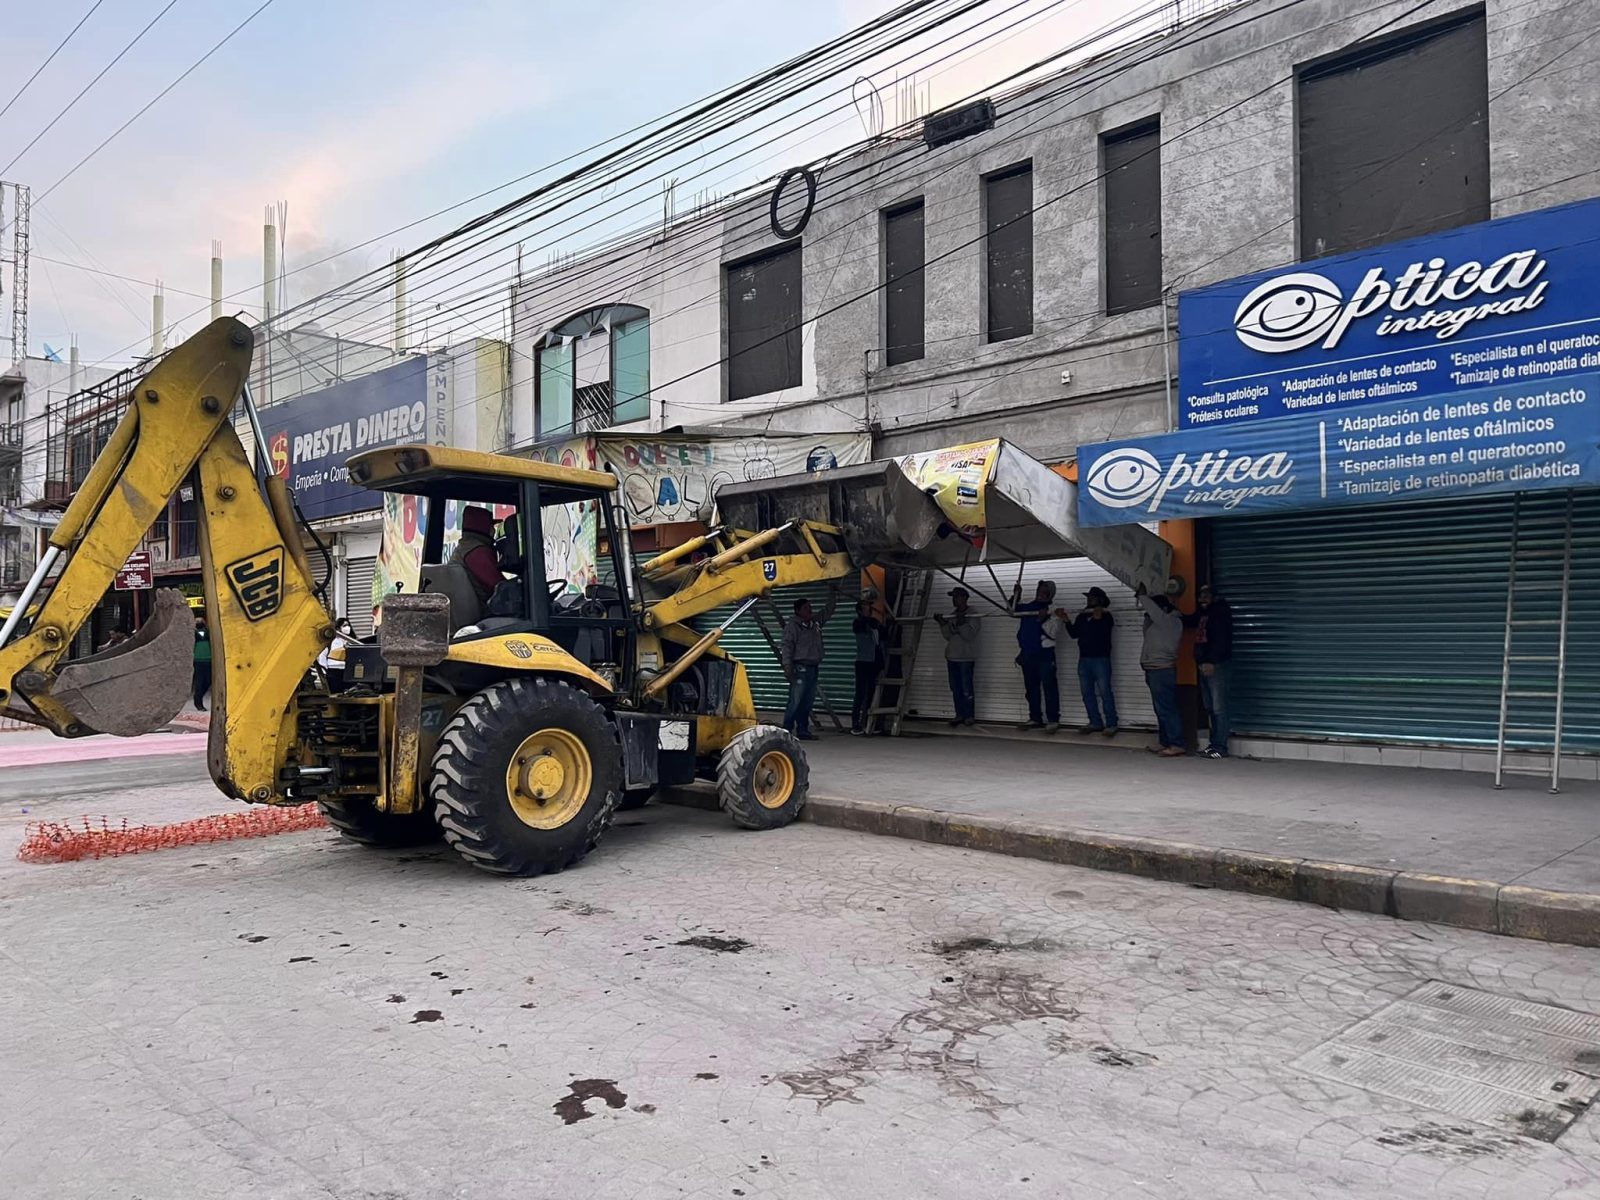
<point x="1029" y="513"/>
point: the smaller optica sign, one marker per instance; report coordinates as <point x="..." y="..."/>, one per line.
<point x="135" y="574"/>
<point x="1517" y="438"/>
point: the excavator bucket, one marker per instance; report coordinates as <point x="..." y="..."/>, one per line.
<point x="883" y="515"/>
<point x="140" y="685"/>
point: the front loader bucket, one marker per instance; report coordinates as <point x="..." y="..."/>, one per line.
<point x="883" y="514"/>
<point x="140" y="685"/>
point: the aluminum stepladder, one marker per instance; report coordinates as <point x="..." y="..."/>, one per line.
<point x="1528" y="554"/>
<point x="909" y="615"/>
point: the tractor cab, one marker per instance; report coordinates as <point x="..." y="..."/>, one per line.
<point x="493" y="511"/>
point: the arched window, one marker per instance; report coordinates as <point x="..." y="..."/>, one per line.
<point x="594" y="371"/>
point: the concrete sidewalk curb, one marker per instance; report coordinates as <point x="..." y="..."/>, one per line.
<point x="1572" y="917"/>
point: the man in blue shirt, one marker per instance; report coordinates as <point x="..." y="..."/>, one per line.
<point x="1036" y="655"/>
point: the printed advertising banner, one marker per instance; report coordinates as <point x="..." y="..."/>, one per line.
<point x="956" y="478"/>
<point x="1518" y="437"/>
<point x="1507" y="303"/>
<point x="311" y="437"/>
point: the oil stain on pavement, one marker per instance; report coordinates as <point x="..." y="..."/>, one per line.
<point x="573" y="1107"/>
<point x="722" y="945"/>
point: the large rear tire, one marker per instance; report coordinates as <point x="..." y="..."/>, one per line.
<point x="357" y="819"/>
<point x="526" y="777"/>
<point x="763" y="778"/>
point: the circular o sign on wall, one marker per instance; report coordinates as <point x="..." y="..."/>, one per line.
<point x="794" y="228"/>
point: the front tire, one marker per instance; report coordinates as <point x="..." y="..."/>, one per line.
<point x="526" y="777"/>
<point x="360" y="821"/>
<point x="763" y="778"/>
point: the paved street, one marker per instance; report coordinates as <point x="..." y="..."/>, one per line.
<point x="698" y="1011"/>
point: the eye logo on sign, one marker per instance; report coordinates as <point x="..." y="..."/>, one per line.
<point x="1288" y="313"/>
<point x="1124" y="478"/>
<point x="769" y="569"/>
<point x="257" y="582"/>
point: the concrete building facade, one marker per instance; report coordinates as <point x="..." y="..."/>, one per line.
<point x="1223" y="90"/>
<point x="1051" y="231"/>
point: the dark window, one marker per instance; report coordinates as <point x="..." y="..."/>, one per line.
<point x="903" y="292"/>
<point x="594" y="371"/>
<point x="1008" y="245"/>
<point x="159" y="530"/>
<point x="1133" y="217"/>
<point x="1394" y="138"/>
<point x="764" y="318"/>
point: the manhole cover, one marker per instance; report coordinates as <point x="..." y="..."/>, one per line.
<point x="1527" y="1068"/>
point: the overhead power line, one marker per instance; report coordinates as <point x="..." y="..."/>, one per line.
<point x="39" y="70"/>
<point x="848" y="44"/>
<point x="85" y="91"/>
<point x="155" y="99"/>
<point x="374" y="298"/>
<point x="1028" y="215"/>
<point x="717" y="220"/>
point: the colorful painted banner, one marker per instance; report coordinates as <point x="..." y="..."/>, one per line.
<point x="672" y="479"/>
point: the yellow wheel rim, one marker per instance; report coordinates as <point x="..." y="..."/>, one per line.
<point x="774" y="782"/>
<point x="549" y="778"/>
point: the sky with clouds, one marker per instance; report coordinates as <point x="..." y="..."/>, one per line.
<point x="364" y="115"/>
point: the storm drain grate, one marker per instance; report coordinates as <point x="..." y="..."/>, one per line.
<point x="1528" y="1068"/>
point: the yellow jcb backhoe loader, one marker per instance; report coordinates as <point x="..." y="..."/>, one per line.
<point x="512" y="728"/>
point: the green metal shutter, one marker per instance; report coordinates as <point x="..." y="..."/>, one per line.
<point x="1388" y="623"/>
<point x="745" y="642"/>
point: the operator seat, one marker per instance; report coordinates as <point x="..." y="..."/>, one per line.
<point x="452" y="581"/>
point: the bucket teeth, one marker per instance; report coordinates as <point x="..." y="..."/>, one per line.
<point x="140" y="685"/>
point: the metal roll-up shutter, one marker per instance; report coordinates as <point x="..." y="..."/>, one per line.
<point x="744" y="641"/>
<point x="357" y="606"/>
<point x="321" y="569"/>
<point x="1388" y="623"/>
<point x="998" y="680"/>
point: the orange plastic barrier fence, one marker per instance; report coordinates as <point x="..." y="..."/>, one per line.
<point x="54" y="842"/>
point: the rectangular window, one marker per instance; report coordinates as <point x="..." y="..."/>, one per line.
<point x="1394" y="138"/>
<point x="1008" y="253"/>
<point x="554" y="402"/>
<point x="764" y="317"/>
<point x="904" y="255"/>
<point x="630" y="370"/>
<point x="1132" y="165"/>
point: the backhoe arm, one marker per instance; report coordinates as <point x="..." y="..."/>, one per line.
<point x="266" y="624"/>
<point x="740" y="566"/>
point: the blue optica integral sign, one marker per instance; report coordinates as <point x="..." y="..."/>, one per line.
<point x="1511" y="301"/>
<point x="1519" y="437"/>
